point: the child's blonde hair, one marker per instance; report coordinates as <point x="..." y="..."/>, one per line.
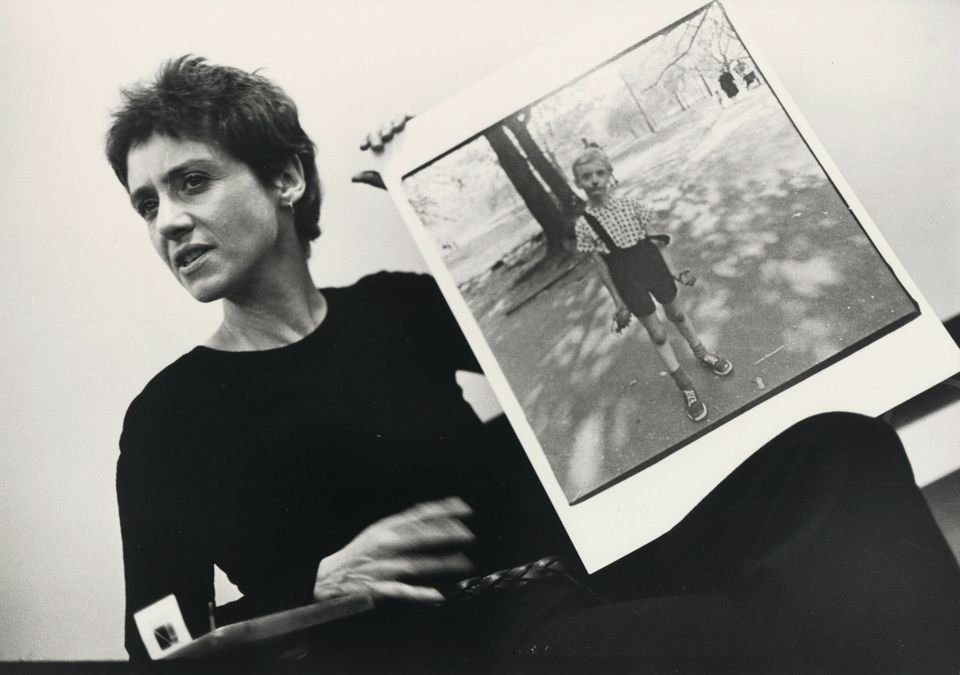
<point x="593" y="153"/>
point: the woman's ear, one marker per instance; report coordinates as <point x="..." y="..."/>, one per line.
<point x="290" y="183"/>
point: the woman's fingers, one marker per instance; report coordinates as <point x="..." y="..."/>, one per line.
<point x="377" y="139"/>
<point x="414" y="535"/>
<point x="371" y="178"/>
<point x="388" y="577"/>
<point x="422" y="543"/>
<point x="417" y="539"/>
<point x="425" y="541"/>
<point x="387" y="130"/>
<point x="442" y="509"/>
<point x="451" y="507"/>
<point x="401" y="122"/>
<point x="390" y="129"/>
<point x="397" y="590"/>
<point x="435" y="533"/>
<point x="373" y="141"/>
<point x="420" y="567"/>
<point x="394" y="590"/>
<point x="431" y="525"/>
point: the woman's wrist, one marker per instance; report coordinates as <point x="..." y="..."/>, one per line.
<point x="322" y="581"/>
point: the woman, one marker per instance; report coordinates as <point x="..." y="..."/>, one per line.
<point x="309" y="417"/>
<point x="317" y="444"/>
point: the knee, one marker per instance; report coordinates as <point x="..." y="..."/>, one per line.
<point x="862" y="445"/>
<point x="657" y="334"/>
<point x="675" y="315"/>
<point x="874" y="443"/>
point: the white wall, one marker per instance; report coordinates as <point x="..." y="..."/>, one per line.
<point x="87" y="315"/>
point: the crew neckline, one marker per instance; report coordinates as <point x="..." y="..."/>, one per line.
<point x="317" y="333"/>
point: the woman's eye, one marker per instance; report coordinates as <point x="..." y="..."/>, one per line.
<point x="147" y="208"/>
<point x="194" y="181"/>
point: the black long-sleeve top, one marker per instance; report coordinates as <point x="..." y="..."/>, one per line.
<point x="265" y="462"/>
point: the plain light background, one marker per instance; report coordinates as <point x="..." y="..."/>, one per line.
<point x="88" y="315"/>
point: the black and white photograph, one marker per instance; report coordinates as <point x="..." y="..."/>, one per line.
<point x="668" y="195"/>
<point x="656" y="260"/>
<point x="479" y="335"/>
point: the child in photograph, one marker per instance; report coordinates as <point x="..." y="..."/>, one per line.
<point x="631" y="265"/>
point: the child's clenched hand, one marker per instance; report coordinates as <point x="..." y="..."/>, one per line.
<point x="686" y="277"/>
<point x="621" y="318"/>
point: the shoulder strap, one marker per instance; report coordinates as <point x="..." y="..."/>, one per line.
<point x="598" y="228"/>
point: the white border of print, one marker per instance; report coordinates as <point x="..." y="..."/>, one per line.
<point x="637" y="510"/>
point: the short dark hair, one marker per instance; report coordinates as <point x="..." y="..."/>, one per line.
<point x="244" y="114"/>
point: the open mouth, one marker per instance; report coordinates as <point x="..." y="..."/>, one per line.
<point x="191" y="257"/>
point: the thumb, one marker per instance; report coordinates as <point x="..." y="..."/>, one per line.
<point x="371" y="178"/>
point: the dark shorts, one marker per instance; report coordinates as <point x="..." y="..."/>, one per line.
<point x="639" y="272"/>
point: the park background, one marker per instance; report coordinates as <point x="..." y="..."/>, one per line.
<point x="88" y="315"/>
<point x="788" y="279"/>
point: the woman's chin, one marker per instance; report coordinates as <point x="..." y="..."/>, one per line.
<point x="202" y="292"/>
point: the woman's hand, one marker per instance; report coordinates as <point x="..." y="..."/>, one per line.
<point x="395" y="556"/>
<point x="376" y="141"/>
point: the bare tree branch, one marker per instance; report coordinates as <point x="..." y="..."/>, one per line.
<point x="674" y="62"/>
<point x="686" y="30"/>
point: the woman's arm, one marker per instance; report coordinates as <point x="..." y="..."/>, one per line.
<point x="169" y="498"/>
<point x="163" y="547"/>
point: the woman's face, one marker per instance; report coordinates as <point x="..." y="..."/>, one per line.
<point x="214" y="224"/>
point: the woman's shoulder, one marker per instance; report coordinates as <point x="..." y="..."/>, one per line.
<point x="388" y="286"/>
<point x="166" y="402"/>
<point x="391" y="296"/>
<point x="396" y="308"/>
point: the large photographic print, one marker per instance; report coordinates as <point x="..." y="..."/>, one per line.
<point x="764" y="266"/>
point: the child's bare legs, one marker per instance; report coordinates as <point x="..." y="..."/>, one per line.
<point x="679" y="318"/>
<point x="658" y="335"/>
<point x="685" y="327"/>
<point x="696" y="410"/>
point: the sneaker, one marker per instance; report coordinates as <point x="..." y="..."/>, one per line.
<point x="719" y="366"/>
<point x="696" y="409"/>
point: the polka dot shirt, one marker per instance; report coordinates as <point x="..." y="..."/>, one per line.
<point x="625" y="220"/>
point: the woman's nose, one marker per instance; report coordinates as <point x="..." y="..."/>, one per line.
<point x="172" y="220"/>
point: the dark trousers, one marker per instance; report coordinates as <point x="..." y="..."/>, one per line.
<point x="818" y="554"/>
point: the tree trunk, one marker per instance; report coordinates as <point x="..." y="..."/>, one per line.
<point x="542" y="206"/>
<point x="676" y="95"/>
<point x="705" y="85"/>
<point x="570" y="203"/>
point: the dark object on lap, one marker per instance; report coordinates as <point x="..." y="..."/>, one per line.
<point x="818" y="553"/>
